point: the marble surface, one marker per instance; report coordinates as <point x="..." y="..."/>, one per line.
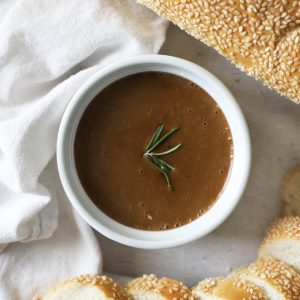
<point x="274" y="124"/>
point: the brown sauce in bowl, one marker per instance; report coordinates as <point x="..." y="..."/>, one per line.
<point x="114" y="131"/>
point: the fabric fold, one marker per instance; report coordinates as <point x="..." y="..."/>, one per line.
<point x="48" y="49"/>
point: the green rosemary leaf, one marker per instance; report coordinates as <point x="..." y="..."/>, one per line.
<point x="155" y="136"/>
<point x="161" y="140"/>
<point x="163" y="170"/>
<point x="163" y="163"/>
<point x="169" y="151"/>
<point x="154" y="163"/>
<point x="164" y="167"/>
<point x="168" y="181"/>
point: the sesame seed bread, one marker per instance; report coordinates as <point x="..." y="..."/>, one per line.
<point x="204" y="290"/>
<point x="290" y="193"/>
<point x="150" y="287"/>
<point x="276" y="279"/>
<point x="282" y="242"/>
<point x="262" y="37"/>
<point x="229" y="288"/>
<point x="87" y="287"/>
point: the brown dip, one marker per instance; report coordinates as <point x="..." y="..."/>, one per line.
<point x="114" y="132"/>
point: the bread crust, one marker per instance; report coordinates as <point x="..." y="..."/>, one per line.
<point x="166" y="287"/>
<point x="105" y="284"/>
<point x="207" y="285"/>
<point x="283" y="228"/>
<point x="261" y="37"/>
<point x="229" y="288"/>
<point x="283" y="278"/>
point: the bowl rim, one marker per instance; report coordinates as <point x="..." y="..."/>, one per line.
<point x="109" y="227"/>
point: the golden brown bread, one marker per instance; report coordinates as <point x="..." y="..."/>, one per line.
<point x="86" y="287"/>
<point x="262" y="37"/>
<point x="229" y="288"/>
<point x="288" y="227"/>
<point x="152" y="287"/>
<point x="277" y="279"/>
<point x="282" y="242"/>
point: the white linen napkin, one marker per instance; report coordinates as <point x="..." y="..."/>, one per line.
<point x="48" y="48"/>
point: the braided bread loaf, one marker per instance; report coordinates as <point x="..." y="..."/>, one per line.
<point x="262" y="37"/>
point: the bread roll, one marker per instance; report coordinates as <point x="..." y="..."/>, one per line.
<point x="149" y="287"/>
<point x="230" y="288"/>
<point x="282" y="242"/>
<point x="276" y="279"/>
<point x="262" y="37"/>
<point x="86" y="287"/>
<point x="290" y="193"/>
<point x="204" y="290"/>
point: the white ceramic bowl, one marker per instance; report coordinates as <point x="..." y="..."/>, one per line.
<point x="154" y="239"/>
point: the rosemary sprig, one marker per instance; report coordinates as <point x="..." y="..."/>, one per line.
<point x="167" y="151"/>
<point x="163" y="170"/>
<point x="154" y="157"/>
<point x="161" y="140"/>
<point x="164" y="164"/>
<point x="155" y="136"/>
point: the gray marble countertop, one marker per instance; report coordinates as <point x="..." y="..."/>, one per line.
<point x="274" y="124"/>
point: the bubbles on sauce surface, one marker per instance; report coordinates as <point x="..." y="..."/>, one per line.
<point x="161" y="74"/>
<point x="164" y="227"/>
<point x="200" y="213"/>
<point x="194" y="85"/>
<point x="148" y="215"/>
